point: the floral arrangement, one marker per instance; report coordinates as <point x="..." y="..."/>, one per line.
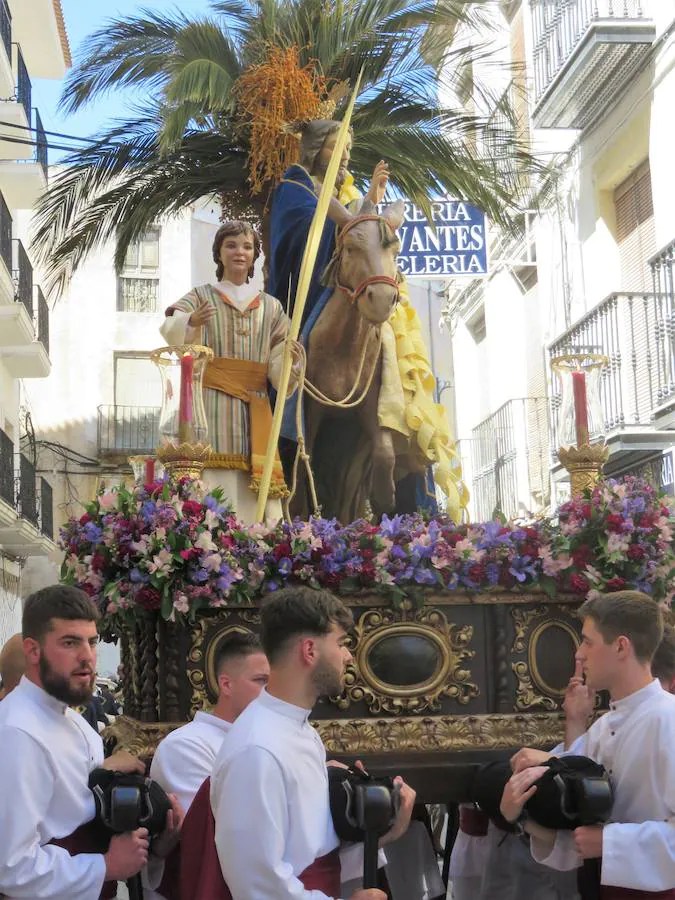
<point x="175" y="548"/>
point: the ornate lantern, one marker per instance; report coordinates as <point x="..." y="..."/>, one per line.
<point x="183" y="431"/>
<point x="581" y="423"/>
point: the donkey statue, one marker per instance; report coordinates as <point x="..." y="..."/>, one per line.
<point x="352" y="456"/>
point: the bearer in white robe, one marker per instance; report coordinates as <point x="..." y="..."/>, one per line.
<point x="46" y="754"/>
<point x="634" y="741"/>
<point x="269" y="789"/>
<point x="184" y="759"/>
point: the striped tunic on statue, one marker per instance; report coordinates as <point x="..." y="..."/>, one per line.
<point x="256" y="334"/>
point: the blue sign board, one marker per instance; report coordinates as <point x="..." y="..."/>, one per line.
<point x="453" y="244"/>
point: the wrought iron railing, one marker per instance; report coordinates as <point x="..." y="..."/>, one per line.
<point x="46" y="509"/>
<point x="627" y="329"/>
<point x="26" y="491"/>
<point x="5" y="234"/>
<point x="6" y="28"/>
<point x="663" y="275"/>
<point x="6" y="468"/>
<point x="23" y="278"/>
<point x="140" y="295"/>
<point x="509" y="459"/>
<point x="559" y="26"/>
<point x="41" y="145"/>
<point x="24" y="89"/>
<point x="42" y="317"/>
<point x="127" y="429"/>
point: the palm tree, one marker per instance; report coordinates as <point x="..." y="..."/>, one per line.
<point x="187" y="140"/>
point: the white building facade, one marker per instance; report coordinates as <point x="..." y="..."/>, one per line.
<point x="592" y="271"/>
<point x="33" y="44"/>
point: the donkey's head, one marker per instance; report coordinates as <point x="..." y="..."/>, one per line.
<point x="364" y="266"/>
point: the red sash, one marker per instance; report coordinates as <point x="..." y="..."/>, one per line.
<point x="89" y="838"/>
<point x="201" y="877"/>
<point x="473" y="822"/>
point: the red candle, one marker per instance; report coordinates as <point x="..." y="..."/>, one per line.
<point x="185" y="404"/>
<point x="580" y="407"/>
<point x="149" y="470"/>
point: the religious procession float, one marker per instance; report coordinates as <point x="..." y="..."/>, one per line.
<point x="464" y="633"/>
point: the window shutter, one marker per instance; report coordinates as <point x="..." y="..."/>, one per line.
<point x="635" y="229"/>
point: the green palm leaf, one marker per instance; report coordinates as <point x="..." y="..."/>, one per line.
<point x="184" y="145"/>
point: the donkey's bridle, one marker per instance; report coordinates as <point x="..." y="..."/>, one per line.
<point x="354" y="294"/>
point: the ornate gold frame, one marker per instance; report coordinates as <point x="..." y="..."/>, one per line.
<point x="428" y="686"/>
<point x="449" y="680"/>
<point x="538" y="678"/>
<point x="532" y="689"/>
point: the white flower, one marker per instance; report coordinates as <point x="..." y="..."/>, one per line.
<point x="205" y="542"/>
<point x="181" y="604"/>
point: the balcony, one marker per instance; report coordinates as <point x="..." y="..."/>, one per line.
<point x="6" y="73"/>
<point x="6" y="264"/>
<point x="127" y="430"/>
<point x="24" y="320"/>
<point x="509" y="460"/>
<point x="26" y="521"/>
<point x="24" y="168"/>
<point x="585" y="53"/>
<point x="15" y="109"/>
<point x="630" y="330"/>
<point x="7" y="511"/>
<point x="46" y="509"/>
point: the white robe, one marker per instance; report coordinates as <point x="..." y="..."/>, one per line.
<point x="635" y="742"/>
<point x="184" y="759"/>
<point x="269" y="795"/>
<point x="46" y="754"/>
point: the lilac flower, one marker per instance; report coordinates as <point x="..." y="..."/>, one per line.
<point x="285" y="566"/>
<point x="92" y="533"/>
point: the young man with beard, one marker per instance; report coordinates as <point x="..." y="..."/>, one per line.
<point x="46" y="754"/>
<point x="269" y="788"/>
<point x="634" y="741"/>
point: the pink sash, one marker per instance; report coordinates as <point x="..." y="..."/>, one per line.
<point x="201" y="877"/>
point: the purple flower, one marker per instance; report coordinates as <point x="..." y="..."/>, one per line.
<point x="285" y="566"/>
<point x="92" y="533"/>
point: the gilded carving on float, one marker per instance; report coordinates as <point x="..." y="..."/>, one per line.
<point x="440" y="733"/>
<point x="402" y="734"/>
<point x="535" y="687"/>
<point x="139" y="738"/>
<point x="406" y="661"/>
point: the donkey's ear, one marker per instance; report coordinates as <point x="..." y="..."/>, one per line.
<point x="394" y="214"/>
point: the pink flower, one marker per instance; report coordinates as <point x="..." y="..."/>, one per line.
<point x="181" y="604"/>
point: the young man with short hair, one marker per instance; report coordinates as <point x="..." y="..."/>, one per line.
<point x="634" y="741"/>
<point x="269" y="789"/>
<point x="185" y="758"/>
<point x="46" y="754"/>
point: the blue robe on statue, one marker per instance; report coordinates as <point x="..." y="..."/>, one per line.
<point x="293" y="207"/>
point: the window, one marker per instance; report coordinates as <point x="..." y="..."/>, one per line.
<point x="635" y="229"/>
<point x="138" y="284"/>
